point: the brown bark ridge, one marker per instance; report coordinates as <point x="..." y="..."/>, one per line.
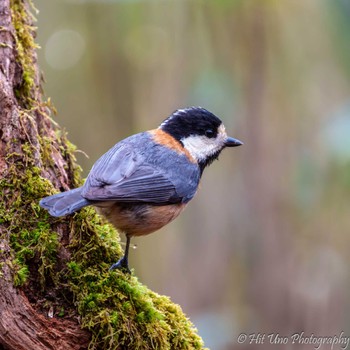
<point x="23" y="118"/>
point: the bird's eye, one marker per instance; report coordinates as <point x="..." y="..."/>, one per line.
<point x="209" y="133"/>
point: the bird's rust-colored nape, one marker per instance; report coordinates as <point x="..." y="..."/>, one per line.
<point x="163" y="138"/>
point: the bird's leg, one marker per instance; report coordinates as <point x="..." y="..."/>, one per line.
<point x="123" y="263"/>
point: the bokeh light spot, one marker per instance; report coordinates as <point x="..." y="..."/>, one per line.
<point x="64" y="49"/>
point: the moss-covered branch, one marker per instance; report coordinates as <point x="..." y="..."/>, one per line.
<point x="61" y="265"/>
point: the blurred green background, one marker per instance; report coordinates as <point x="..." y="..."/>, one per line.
<point x="264" y="246"/>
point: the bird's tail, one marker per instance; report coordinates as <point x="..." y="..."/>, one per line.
<point x="64" y="203"/>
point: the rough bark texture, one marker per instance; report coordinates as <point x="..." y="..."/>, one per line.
<point x="55" y="288"/>
<point x="23" y="328"/>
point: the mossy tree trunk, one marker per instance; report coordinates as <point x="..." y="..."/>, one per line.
<point x="55" y="288"/>
<point x="25" y="130"/>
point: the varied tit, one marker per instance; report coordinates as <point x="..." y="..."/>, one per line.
<point x="146" y="180"/>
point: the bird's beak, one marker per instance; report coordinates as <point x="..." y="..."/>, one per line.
<point x="231" y="142"/>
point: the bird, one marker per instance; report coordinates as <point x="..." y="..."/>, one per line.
<point x="146" y="180"/>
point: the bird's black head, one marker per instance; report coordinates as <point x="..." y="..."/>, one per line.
<point x="191" y="121"/>
<point x="200" y="132"/>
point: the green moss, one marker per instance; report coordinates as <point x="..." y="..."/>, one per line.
<point x="37" y="240"/>
<point x="61" y="313"/>
<point x="5" y="45"/>
<point x="21" y="276"/>
<point x="1" y="265"/>
<point x="32" y="238"/>
<point x="22" y="20"/>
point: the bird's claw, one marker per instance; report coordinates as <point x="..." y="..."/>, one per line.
<point x="122" y="264"/>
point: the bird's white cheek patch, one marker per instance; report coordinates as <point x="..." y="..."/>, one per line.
<point x="202" y="147"/>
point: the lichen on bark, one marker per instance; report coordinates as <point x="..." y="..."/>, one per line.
<point x="59" y="266"/>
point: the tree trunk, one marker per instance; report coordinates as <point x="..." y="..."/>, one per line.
<point x="55" y="288"/>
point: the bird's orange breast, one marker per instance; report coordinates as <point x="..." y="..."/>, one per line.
<point x="140" y="219"/>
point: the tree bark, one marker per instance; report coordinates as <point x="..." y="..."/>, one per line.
<point x="55" y="288"/>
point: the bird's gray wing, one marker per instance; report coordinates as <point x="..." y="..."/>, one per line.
<point x="123" y="175"/>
